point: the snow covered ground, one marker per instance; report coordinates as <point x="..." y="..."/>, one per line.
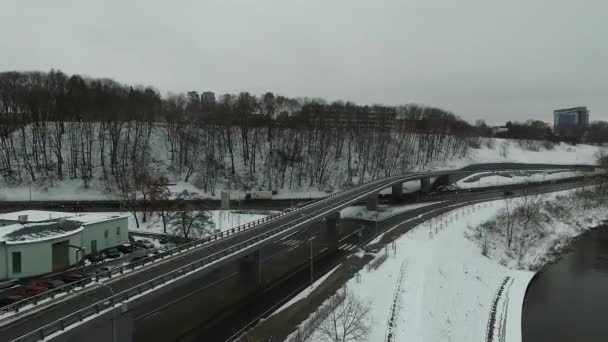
<point x="501" y="150"/>
<point x="443" y="287"/>
<point x="447" y="288"/>
<point x="486" y="179"/>
<point x="383" y="212"/>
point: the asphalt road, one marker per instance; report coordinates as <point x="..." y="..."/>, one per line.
<point x="222" y="305"/>
<point x="274" y="254"/>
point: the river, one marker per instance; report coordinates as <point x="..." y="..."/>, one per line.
<point x="568" y="300"/>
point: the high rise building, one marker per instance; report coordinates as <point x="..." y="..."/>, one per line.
<point x="570" y="118"/>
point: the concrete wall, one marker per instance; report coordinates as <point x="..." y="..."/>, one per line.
<point x="117" y="234"/>
<point x="36" y="257"/>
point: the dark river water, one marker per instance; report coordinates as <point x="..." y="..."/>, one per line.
<point x="568" y="300"/>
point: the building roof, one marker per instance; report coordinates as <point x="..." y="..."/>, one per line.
<point x="567" y="110"/>
<point x="90" y="218"/>
<point x="47" y="225"/>
<point x="35" y="215"/>
<point x="35" y="232"/>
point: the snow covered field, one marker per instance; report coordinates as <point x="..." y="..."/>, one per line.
<point x="486" y="179"/>
<point x="447" y="286"/>
<point x="501" y="151"/>
<point x="442" y="286"/>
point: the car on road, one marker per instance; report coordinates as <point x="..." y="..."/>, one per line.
<point x="112" y="253"/>
<point x="508" y="193"/>
<point x="125" y="248"/>
<point x="52" y="284"/>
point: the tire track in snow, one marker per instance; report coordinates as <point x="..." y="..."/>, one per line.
<point x="394" y="311"/>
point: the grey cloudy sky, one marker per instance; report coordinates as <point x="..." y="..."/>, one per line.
<point x="496" y="60"/>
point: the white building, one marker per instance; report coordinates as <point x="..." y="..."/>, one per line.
<point x="36" y="242"/>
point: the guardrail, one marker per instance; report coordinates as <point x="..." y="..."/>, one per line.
<point x="140" y="289"/>
<point x="119" y="270"/>
<point x="361" y="192"/>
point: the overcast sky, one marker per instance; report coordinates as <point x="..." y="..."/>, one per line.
<point x="482" y="59"/>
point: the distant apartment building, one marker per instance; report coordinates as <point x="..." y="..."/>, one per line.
<point x="570" y="119"/>
<point x="499" y="129"/>
<point x="208" y="98"/>
<point x="384" y="118"/>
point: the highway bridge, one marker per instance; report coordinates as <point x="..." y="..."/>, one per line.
<point x="138" y="302"/>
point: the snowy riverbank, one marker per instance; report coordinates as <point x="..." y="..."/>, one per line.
<point x="437" y="285"/>
<point x="446" y="286"/>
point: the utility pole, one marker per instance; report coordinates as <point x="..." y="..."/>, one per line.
<point x="311" y="260"/>
<point x="113" y="310"/>
<point x="376" y="222"/>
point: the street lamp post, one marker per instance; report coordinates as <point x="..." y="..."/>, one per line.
<point x="113" y="313"/>
<point x="311" y="262"/>
<point x="376" y="224"/>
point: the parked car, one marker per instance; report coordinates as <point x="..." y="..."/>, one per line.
<point x="136" y="259"/>
<point x="52" y="284"/>
<point x="103" y="271"/>
<point x="76" y="277"/>
<point x="33" y="290"/>
<point x="97" y="257"/>
<point x="112" y="253"/>
<point x="125" y="248"/>
<point x="144" y="244"/>
<point x="8" y="300"/>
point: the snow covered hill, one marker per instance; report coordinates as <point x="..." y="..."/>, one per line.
<point x="296" y="179"/>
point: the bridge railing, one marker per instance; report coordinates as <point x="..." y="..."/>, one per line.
<point x="99" y="307"/>
<point x="192" y="245"/>
<point x="122" y="269"/>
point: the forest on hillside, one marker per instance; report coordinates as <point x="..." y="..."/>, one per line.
<point x="55" y="127"/>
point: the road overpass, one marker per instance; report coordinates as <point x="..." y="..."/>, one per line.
<point x="132" y="288"/>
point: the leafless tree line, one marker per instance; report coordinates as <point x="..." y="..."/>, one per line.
<point x="56" y="127"/>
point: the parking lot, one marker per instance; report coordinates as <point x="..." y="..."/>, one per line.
<point x="96" y="264"/>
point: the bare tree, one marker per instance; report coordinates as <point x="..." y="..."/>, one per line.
<point x="350" y="321"/>
<point x="529" y="209"/>
<point x="189" y="222"/>
<point x="510" y="224"/>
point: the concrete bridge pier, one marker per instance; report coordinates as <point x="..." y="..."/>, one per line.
<point x="332" y="225"/>
<point x="250" y="269"/>
<point x="425" y="185"/>
<point x="371" y="203"/>
<point x="396" y="192"/>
